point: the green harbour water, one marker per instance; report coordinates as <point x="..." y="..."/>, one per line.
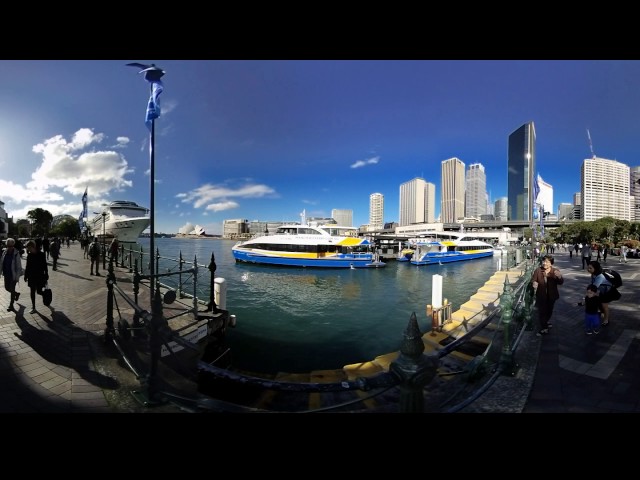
<point x="298" y="320"/>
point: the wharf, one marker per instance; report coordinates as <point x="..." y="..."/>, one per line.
<point x="56" y="360"/>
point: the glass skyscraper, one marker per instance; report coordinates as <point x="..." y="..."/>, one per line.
<point x="521" y="172"/>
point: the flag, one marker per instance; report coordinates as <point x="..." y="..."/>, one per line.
<point x="153" y="107"/>
<point x="536" y="188"/>
<point x="84" y="203"/>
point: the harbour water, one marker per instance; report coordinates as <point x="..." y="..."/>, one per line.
<point x="298" y="320"/>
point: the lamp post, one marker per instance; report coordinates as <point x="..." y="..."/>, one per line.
<point x="104" y="215"/>
<point x="152" y="74"/>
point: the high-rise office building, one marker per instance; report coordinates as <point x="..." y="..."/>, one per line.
<point x="376" y="211"/>
<point x="545" y="196"/>
<point x="635" y="193"/>
<point x="521" y="172"/>
<point x="343" y="217"/>
<point x="417" y="202"/>
<point x="565" y="211"/>
<point x="605" y="189"/>
<point x="475" y="202"/>
<point x="452" y="190"/>
<point x="500" y="210"/>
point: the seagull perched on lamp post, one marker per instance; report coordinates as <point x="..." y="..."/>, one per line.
<point x="151" y="72"/>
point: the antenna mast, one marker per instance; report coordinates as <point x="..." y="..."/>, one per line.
<point x="590" y="144"/>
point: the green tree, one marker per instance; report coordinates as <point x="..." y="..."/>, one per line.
<point x="41" y="221"/>
<point x="68" y="227"/>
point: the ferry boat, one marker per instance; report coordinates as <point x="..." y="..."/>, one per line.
<point x="122" y="219"/>
<point x="443" y="247"/>
<point x="302" y="245"/>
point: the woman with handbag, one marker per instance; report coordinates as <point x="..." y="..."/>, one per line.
<point x="36" y="273"/>
<point x="605" y="289"/>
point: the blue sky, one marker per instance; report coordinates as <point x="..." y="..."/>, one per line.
<point x="263" y="140"/>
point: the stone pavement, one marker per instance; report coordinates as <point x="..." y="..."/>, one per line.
<point x="589" y="373"/>
<point x="56" y="360"/>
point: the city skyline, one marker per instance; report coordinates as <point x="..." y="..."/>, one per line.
<point x="267" y="139"/>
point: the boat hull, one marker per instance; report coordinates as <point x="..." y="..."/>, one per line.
<point x="446" y="257"/>
<point x="347" y="260"/>
<point x="127" y="230"/>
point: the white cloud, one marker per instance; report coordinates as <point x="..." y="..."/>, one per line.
<point x="219" y="194"/>
<point x="363" y="163"/>
<point x="221" y="206"/>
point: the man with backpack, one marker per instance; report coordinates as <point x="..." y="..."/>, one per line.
<point x="94" y="255"/>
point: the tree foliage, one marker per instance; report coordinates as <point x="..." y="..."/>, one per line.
<point x="40" y="222"/>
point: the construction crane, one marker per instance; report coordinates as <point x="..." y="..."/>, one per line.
<point x="590" y="144"/>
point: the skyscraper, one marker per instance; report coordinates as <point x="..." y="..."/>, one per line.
<point x="545" y="197"/>
<point x="376" y="211"/>
<point x="605" y="189"/>
<point x="635" y="193"/>
<point x="417" y="202"/>
<point x="476" y="191"/>
<point x="521" y="172"/>
<point x="501" y="209"/>
<point x="343" y="217"/>
<point x="452" y="190"/>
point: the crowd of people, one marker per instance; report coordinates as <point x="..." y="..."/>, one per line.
<point x="35" y="272"/>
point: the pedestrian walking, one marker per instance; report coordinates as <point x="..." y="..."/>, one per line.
<point x="545" y="281"/>
<point x="94" y="256"/>
<point x="592" y="304"/>
<point x="54" y="250"/>
<point x="11" y="270"/>
<point x="36" y="273"/>
<point x="113" y="250"/>
<point x="586" y="255"/>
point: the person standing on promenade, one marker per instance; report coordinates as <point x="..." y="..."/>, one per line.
<point x="586" y="255"/>
<point x="94" y="255"/>
<point x="54" y="249"/>
<point x="545" y="281"/>
<point x="605" y="252"/>
<point x="46" y="246"/>
<point x="36" y="273"/>
<point x="603" y="285"/>
<point x="113" y="249"/>
<point x="592" y="303"/>
<point x="11" y="270"/>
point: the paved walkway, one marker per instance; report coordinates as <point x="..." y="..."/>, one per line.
<point x="56" y="361"/>
<point x="590" y="373"/>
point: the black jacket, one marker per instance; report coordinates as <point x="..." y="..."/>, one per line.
<point x="36" y="273"/>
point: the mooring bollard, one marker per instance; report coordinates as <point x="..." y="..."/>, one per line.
<point x="413" y="368"/>
<point x="212" y="307"/>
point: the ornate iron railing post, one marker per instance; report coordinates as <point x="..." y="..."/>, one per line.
<point x="413" y="368"/>
<point x="155" y="345"/>
<point x="180" y="263"/>
<point x="212" y="307"/>
<point x="154" y="279"/>
<point x="529" y="298"/>
<point x="137" y="331"/>
<point x="506" y="315"/>
<point x="195" y="284"/>
<point x="111" y="278"/>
